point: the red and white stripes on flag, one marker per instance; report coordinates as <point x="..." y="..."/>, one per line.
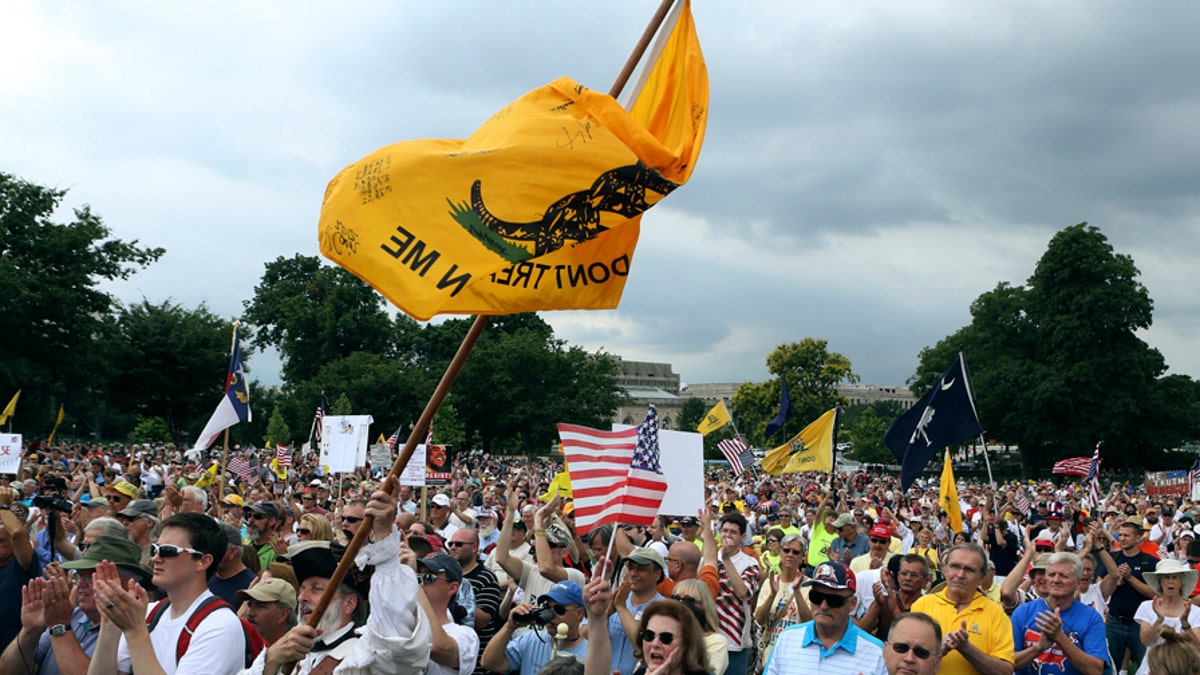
<point x="1093" y="479"/>
<point x="733" y="448"/>
<point x="283" y="455"/>
<point x="1074" y="466"/>
<point x="240" y="467"/>
<point x="608" y="488"/>
<point x="1194" y="475"/>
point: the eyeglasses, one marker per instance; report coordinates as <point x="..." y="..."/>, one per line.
<point x="772" y="540"/>
<point x="427" y="578"/>
<point x="352" y="519"/>
<point x="904" y="647"/>
<point x="456" y="544"/>
<point x="834" y="601"/>
<point x="171" y="551"/>
<point x="965" y="569"/>
<point x="304" y="531"/>
<point x="793" y="551"/>
<point x="256" y="516"/>
<point x="877" y="540"/>
<point x="308" y="499"/>
<point x="560" y="610"/>
<point x="663" y="638"/>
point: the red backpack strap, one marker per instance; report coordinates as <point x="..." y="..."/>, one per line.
<point x="207" y="607"/>
<point x="156" y="614"/>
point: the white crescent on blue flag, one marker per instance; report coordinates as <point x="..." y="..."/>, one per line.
<point x="943" y="416"/>
<point x="235" y="404"/>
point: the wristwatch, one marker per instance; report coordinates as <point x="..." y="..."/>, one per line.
<point x="58" y="630"/>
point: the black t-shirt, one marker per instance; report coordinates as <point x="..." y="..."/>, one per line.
<point x="226" y="589"/>
<point x="1126" y="599"/>
<point x="1003" y="557"/>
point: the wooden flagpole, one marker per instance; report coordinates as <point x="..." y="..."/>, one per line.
<point x="452" y="370"/>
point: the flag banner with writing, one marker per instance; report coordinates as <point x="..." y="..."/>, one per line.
<point x="10" y="453"/>
<point x="235" y="404"/>
<point x="538" y="209"/>
<point x="809" y="450"/>
<point x="715" y="419"/>
<point x="616" y="476"/>
<point x="943" y="416"/>
<point x="1072" y="466"/>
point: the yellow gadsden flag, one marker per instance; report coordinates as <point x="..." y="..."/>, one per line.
<point x="948" y="496"/>
<point x="560" y="485"/>
<point x="809" y="450"/>
<point x="209" y="476"/>
<point x="538" y="209"/>
<point x="10" y="409"/>
<point x="715" y="419"/>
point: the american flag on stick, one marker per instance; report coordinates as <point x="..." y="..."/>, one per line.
<point x="394" y="439"/>
<point x="283" y="455"/>
<point x="1093" y="479"/>
<point x="319" y="419"/>
<point x="737" y="454"/>
<point x="616" y="476"/>
<point x="1074" y="466"/>
<point x="1194" y="475"/>
<point x="240" y="467"/>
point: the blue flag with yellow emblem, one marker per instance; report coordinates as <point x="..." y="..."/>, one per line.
<point x="235" y="404"/>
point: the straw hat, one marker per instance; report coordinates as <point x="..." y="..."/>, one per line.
<point x="1187" y="575"/>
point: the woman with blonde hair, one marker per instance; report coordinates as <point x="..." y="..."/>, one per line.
<point x="314" y="527"/>
<point x="670" y="641"/>
<point x="1172" y="583"/>
<point x="780" y="603"/>
<point x="695" y="594"/>
<point x="1176" y="654"/>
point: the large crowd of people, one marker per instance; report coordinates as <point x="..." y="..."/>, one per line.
<point x="121" y="559"/>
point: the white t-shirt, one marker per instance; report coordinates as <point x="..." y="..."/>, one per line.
<point x="1095" y="599"/>
<point x="468" y="651"/>
<point x="535" y="585"/>
<point x="217" y="646"/>
<point x="1145" y="613"/>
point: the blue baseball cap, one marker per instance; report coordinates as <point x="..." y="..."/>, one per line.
<point x="566" y="593"/>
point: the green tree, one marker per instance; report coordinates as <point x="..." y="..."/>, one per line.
<point x="448" y="429"/>
<point x="341" y="406"/>
<point x="865" y="434"/>
<point x="174" y="363"/>
<point x="812" y="373"/>
<point x="691" y="413"/>
<point x="54" y="309"/>
<point x="1057" y="365"/>
<point x="315" y="314"/>
<point x="151" y="430"/>
<point x="277" y="429"/>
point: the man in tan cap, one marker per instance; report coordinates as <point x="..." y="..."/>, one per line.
<point x="270" y="607"/>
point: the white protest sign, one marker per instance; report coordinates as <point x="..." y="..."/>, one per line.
<point x="380" y="456"/>
<point x="682" y="460"/>
<point x="10" y="454"/>
<point x="344" y="442"/>
<point x="414" y="472"/>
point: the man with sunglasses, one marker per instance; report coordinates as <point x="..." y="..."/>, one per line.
<point x="914" y="645"/>
<point x="454" y="648"/>
<point x="352" y="517"/>
<point x="878" y="541"/>
<point x="831" y="642"/>
<point x="532" y="649"/>
<point x="464" y="546"/>
<point x="262" y="525"/>
<point x="119" y="495"/>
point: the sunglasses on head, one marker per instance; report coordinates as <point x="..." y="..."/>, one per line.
<point x="171" y="551"/>
<point x="904" y="647"/>
<point x="663" y="638"/>
<point x="833" y="600"/>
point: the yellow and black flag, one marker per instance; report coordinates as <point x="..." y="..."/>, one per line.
<point x="715" y="419"/>
<point x="809" y="450"/>
<point x="538" y="209"/>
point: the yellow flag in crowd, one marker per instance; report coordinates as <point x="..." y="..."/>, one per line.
<point x="538" y="209"/>
<point x="280" y="471"/>
<point x="560" y="485"/>
<point x="948" y="496"/>
<point x="809" y="450"/>
<point x="56" y="423"/>
<point x="10" y="409"/>
<point x="209" y="476"/>
<point x="715" y="419"/>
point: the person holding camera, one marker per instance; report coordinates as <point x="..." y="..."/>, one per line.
<point x="561" y="607"/>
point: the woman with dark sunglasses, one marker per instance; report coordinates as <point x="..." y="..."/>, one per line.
<point x="669" y="641"/>
<point x="779" y="603"/>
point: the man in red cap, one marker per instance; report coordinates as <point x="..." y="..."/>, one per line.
<point x="879" y="540"/>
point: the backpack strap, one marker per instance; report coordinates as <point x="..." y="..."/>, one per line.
<point x="156" y="614"/>
<point x="207" y="607"/>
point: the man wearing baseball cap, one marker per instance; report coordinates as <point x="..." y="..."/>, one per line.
<point x="644" y="569"/>
<point x="270" y="607"/>
<point x="831" y="642"/>
<point x="532" y="649"/>
<point x="455" y="647"/>
<point x="262" y="525"/>
<point x="877" y="555"/>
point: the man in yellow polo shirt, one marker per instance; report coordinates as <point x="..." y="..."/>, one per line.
<point x="978" y="634"/>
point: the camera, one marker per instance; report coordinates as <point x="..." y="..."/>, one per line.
<point x="54" y="502"/>
<point x="538" y="616"/>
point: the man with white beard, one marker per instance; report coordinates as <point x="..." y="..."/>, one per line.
<point x="393" y="638"/>
<point x="488" y="534"/>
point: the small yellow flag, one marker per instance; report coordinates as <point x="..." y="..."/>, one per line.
<point x="948" y="496"/>
<point x="280" y="471"/>
<point x="561" y="485"/>
<point x="56" y="423"/>
<point x="809" y="450"/>
<point x="209" y="476"/>
<point x="715" y="419"/>
<point x="10" y="409"/>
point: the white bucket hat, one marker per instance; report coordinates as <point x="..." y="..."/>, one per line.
<point x="1187" y="575"/>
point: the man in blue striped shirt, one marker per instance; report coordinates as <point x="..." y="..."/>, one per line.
<point x="830" y="644"/>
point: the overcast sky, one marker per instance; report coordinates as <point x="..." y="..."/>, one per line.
<point x="869" y="168"/>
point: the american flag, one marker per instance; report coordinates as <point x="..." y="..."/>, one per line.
<point x="394" y="439"/>
<point x="616" y="476"/>
<point x="283" y="455"/>
<point x="737" y="454"/>
<point x="1194" y="475"/>
<point x="1074" y="466"/>
<point x="253" y="477"/>
<point x="240" y="467"/>
<point x="1093" y="479"/>
<point x="319" y="419"/>
<point x="1023" y="503"/>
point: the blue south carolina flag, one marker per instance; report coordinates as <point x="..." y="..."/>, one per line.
<point x="943" y="416"/>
